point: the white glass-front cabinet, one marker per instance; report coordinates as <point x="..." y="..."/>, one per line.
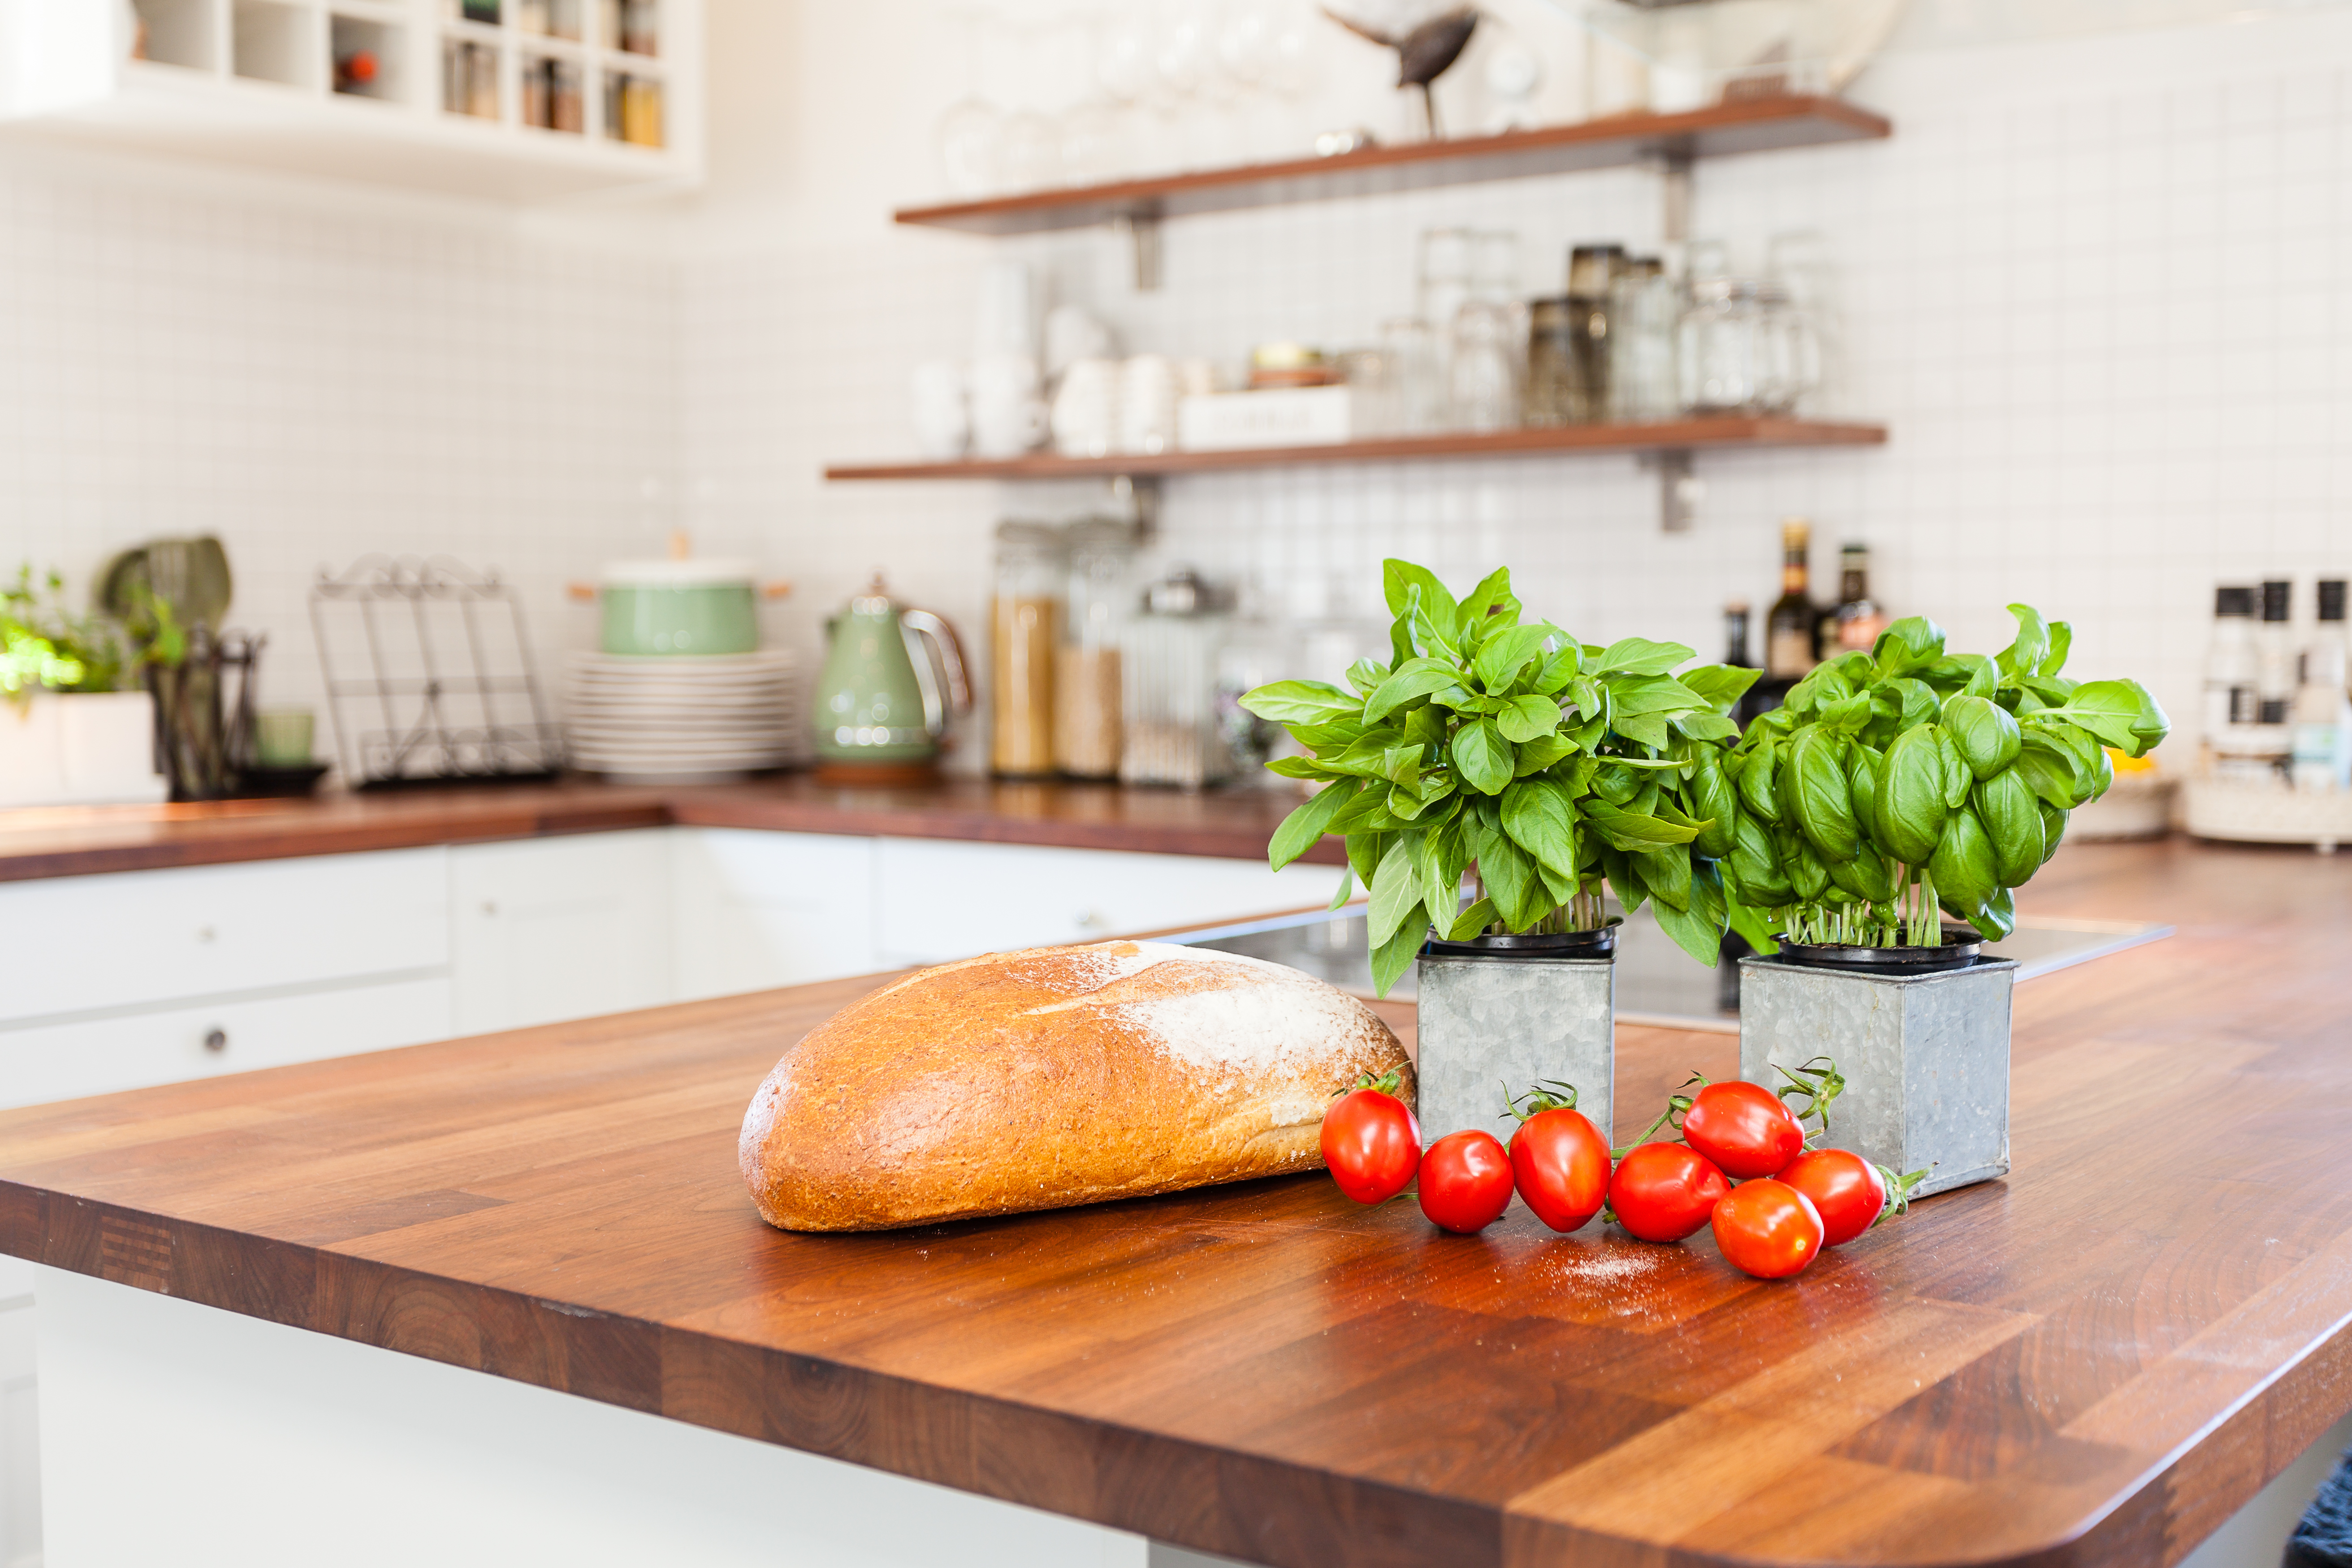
<point x="519" y="100"/>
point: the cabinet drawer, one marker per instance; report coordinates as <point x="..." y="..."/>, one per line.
<point x="66" y="1061"/>
<point x="130" y="937"/>
<point x="755" y="909"/>
<point x="938" y="901"/>
<point x="550" y="928"/>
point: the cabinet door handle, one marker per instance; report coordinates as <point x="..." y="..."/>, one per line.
<point x="216" y="1039"/>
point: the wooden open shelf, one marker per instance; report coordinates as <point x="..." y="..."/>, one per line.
<point x="1671" y="436"/>
<point x="1757" y="125"/>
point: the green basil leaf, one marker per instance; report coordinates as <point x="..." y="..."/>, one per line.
<point x="1807" y="875"/>
<point x="1652" y="694"/>
<point x="1506" y="654"/>
<point x="1396" y="886"/>
<point x="2119" y="712"/>
<point x="1538" y="816"/>
<point x="1705" y="726"/>
<point x="1756" y="874"/>
<point x="1473" y="922"/>
<point x="1303" y="827"/>
<point x="1667" y="874"/>
<point x="1631" y="892"/>
<point x="1301" y="702"/>
<point x="2053" y="828"/>
<point x="1542" y="751"/>
<point x="2012" y="821"/>
<point x="2061" y="641"/>
<point x="1822" y="797"/>
<point x="1394" y="956"/>
<point x="1863" y="766"/>
<point x="1482" y="759"/>
<point x="1631" y="830"/>
<point x="1846" y="715"/>
<point x="1491" y="593"/>
<point x="1962" y="865"/>
<point x="1444" y="859"/>
<point x="1615" y="781"/>
<point x="1907" y="645"/>
<point x="1985" y="735"/>
<point x="1414" y="678"/>
<point x="1867" y="875"/>
<point x="1509" y="878"/>
<point x="1957" y="775"/>
<point x="1398" y="578"/>
<point x="1639" y="655"/>
<point x="1715" y="799"/>
<point x="1588" y="697"/>
<point x="1998" y="917"/>
<point x="2024" y="656"/>
<point x="1303" y="768"/>
<point x="1756" y="780"/>
<point x="1559" y="667"/>
<point x="2050" y="771"/>
<point x="1910" y="810"/>
<point x="1648" y="729"/>
<point x="1366" y="675"/>
<point x="1720" y="686"/>
<point x="1525" y="719"/>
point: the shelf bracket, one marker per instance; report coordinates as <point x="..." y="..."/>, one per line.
<point x="1141" y="227"/>
<point x="1138" y="495"/>
<point x="1680" y="489"/>
<point x="1674" y="171"/>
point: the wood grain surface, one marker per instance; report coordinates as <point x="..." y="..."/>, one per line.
<point x="60" y="841"/>
<point x="1693" y="432"/>
<point x="1753" y="125"/>
<point x="2093" y="1361"/>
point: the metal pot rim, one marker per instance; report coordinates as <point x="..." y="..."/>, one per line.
<point x="1600" y="943"/>
<point x="1957" y="952"/>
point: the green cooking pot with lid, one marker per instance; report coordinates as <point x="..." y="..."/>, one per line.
<point x="692" y="608"/>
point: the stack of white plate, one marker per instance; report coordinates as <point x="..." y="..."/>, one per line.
<point x="680" y="719"/>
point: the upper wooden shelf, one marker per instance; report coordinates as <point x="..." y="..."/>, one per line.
<point x="1757" y="125"/>
<point x="1669" y="435"/>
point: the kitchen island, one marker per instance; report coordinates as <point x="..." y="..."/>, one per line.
<point x="2095" y="1361"/>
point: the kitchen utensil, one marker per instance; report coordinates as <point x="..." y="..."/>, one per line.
<point x="283" y="737"/>
<point x="676" y="719"/>
<point x="690" y="606"/>
<point x="1086" y="409"/>
<point x="1024" y="635"/>
<point x="893" y="681"/>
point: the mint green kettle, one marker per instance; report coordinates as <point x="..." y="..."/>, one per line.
<point x="893" y="679"/>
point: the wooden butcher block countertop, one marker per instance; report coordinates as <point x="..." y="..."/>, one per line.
<point x="2095" y="1361"/>
<point x="60" y="841"/>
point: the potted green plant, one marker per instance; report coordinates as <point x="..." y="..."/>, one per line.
<point x="69" y="733"/>
<point x="1897" y="786"/>
<point x="1547" y="770"/>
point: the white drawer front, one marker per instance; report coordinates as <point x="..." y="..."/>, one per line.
<point x="755" y="909"/>
<point x="132" y="938"/>
<point x="66" y="1061"/>
<point x="939" y="900"/>
<point x="549" y="929"/>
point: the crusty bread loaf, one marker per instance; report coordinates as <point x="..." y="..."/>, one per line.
<point x="1058" y="1076"/>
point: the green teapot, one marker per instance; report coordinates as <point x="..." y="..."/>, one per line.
<point x="893" y="679"/>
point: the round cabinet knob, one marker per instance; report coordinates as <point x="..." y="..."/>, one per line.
<point x="1091" y="920"/>
<point x="205" y="933"/>
<point x="216" y="1040"/>
<point x="489" y="909"/>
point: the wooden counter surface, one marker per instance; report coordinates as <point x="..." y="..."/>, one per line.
<point x="2095" y="1361"/>
<point x="62" y="841"/>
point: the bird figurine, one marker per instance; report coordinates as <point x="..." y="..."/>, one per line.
<point x="1425" y="52"/>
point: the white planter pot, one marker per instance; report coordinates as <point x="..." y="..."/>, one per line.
<point x="94" y="748"/>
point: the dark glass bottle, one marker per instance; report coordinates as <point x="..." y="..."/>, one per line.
<point x="1791" y="631"/>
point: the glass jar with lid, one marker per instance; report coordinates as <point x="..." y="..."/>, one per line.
<point x="1024" y="643"/>
<point x="1172" y="735"/>
<point x="1087" y="675"/>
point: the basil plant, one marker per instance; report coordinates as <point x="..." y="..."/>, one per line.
<point x="1546" y="768"/>
<point x="1904" y="779"/>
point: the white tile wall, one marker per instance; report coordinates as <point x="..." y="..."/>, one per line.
<point x="2092" y="287"/>
<point x="314" y="375"/>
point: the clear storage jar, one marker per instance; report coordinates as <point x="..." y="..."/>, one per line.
<point x="1088" y="705"/>
<point x="1024" y="642"/>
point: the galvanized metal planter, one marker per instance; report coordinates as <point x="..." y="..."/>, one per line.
<point x="1924" y="1054"/>
<point x="1487" y="1019"/>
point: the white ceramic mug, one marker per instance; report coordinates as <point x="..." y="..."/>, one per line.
<point x="1086" y="409"/>
<point x="1147" y="404"/>
<point x="1008" y="408"/>
<point x="942" y="413"/>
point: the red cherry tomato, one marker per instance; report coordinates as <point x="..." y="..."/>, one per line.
<point x="1664" y="1192"/>
<point x="1768" y="1228"/>
<point x="1562" y="1165"/>
<point x="1846" y="1189"/>
<point x="1744" y="1128"/>
<point x="1372" y="1143"/>
<point x="1465" y="1182"/>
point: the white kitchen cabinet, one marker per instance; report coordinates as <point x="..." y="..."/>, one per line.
<point x="757" y="910"/>
<point x="936" y="900"/>
<point x="101" y="1055"/>
<point x="129" y="939"/>
<point x="547" y="929"/>
<point x="20" y="1456"/>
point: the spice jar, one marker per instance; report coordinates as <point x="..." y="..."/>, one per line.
<point x="1025" y="641"/>
<point x="1723" y="357"/>
<point x="1086" y="697"/>
<point x="1555" y="393"/>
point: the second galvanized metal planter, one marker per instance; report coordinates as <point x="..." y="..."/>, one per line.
<point x="1924" y="1054"/>
<point x="1495" y="1017"/>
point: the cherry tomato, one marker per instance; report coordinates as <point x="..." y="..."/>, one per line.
<point x="1372" y="1143"/>
<point x="1562" y="1165"/>
<point x="1664" y="1192"/>
<point x="1744" y="1128"/>
<point x="1465" y="1182"/>
<point x="1846" y="1189"/>
<point x="1768" y="1228"/>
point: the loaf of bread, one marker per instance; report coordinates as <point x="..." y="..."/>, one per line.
<point x="1058" y="1076"/>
